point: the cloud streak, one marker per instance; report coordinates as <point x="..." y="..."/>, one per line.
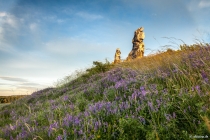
<point x="204" y="4"/>
<point x="89" y="16"/>
<point x="14" y="79"/>
<point x="68" y="46"/>
<point x="30" y="84"/>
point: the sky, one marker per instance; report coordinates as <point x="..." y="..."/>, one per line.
<point x="42" y="41"/>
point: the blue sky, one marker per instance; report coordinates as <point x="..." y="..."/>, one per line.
<point x="42" y="41"/>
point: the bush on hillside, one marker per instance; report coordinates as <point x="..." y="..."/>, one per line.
<point x="98" y="67"/>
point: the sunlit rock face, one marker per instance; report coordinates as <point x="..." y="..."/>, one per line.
<point x="138" y="45"/>
<point x="117" y="58"/>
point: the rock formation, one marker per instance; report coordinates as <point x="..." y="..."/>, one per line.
<point x="117" y="56"/>
<point x="138" y="45"/>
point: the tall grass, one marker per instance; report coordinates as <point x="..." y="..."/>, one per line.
<point x="165" y="96"/>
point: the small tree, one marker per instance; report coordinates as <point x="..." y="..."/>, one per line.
<point x="98" y="67"/>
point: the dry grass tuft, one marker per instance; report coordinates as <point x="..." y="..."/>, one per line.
<point x="207" y="122"/>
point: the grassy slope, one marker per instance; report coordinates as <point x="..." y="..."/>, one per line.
<point x="165" y="96"/>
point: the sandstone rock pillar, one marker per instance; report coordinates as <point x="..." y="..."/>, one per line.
<point x="117" y="58"/>
<point x="138" y="45"/>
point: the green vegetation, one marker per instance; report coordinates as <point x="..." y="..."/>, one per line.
<point x="164" y="96"/>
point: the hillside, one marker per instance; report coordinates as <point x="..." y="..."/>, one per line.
<point x="164" y="96"/>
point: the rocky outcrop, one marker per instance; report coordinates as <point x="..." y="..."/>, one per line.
<point x="117" y="58"/>
<point x="138" y="45"/>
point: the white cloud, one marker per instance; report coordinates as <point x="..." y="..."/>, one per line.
<point x="197" y="6"/>
<point x="3" y="14"/>
<point x="89" y="16"/>
<point x="6" y="18"/>
<point x="8" y="26"/>
<point x="60" y="21"/>
<point x="10" y="20"/>
<point x="204" y="4"/>
<point x="50" y="18"/>
<point x="53" y="19"/>
<point x="33" y="27"/>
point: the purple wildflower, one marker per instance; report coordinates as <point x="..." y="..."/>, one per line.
<point x="143" y="92"/>
<point x="52" y="101"/>
<point x="117" y="98"/>
<point x="52" y="126"/>
<point x="121" y="83"/>
<point x="142" y="120"/>
<point x="204" y="76"/>
<point x="197" y="88"/>
<point x="158" y="102"/>
<point x="174" y="115"/>
<point x="168" y="117"/>
<point x="86" y="113"/>
<point x="11" y="138"/>
<point x="67" y="120"/>
<point x="133" y="96"/>
<point x="138" y="109"/>
<point x="151" y="106"/>
<point x="192" y="88"/>
<point x="189" y="108"/>
<point x="65" y="98"/>
<point x="118" y="84"/>
<point x="23" y="134"/>
<point x="54" y="106"/>
<point x="71" y="106"/>
<point x="76" y="121"/>
<point x="80" y="132"/>
<point x="59" y="137"/>
<point x="97" y="125"/>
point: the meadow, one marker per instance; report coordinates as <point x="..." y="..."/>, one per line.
<point x="165" y="96"/>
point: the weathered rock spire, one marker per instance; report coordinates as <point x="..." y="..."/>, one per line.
<point x="138" y="45"/>
<point x="117" y="58"/>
